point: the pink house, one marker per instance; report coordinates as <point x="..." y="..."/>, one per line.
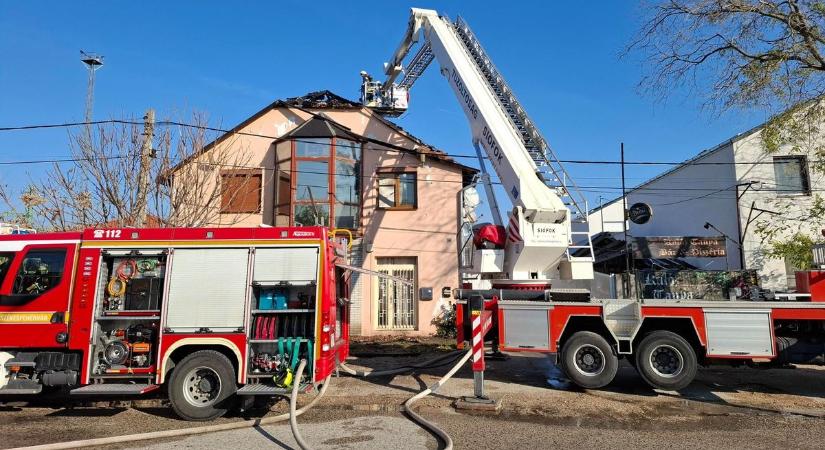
<point x="322" y="159"/>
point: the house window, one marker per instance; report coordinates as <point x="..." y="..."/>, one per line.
<point x="397" y="304"/>
<point x="347" y="197"/>
<point x="241" y="192"/>
<point x="397" y="190"/>
<point x="791" y="174"/>
<point x="326" y="189"/>
<point x="284" y="183"/>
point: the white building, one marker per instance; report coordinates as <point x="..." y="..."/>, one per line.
<point x="730" y="187"/>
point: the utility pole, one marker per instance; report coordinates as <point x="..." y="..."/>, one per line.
<point x="628" y="247"/>
<point x="146" y="155"/>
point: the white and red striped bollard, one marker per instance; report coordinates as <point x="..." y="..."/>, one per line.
<point x="476" y="305"/>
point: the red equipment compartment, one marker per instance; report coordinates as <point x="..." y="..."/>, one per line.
<point x="489" y="236"/>
<point x="812" y="282"/>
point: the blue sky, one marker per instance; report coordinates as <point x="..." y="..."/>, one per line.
<point x="230" y="59"/>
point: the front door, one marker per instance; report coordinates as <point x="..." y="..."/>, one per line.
<point x="397" y="306"/>
<point x="34" y="296"/>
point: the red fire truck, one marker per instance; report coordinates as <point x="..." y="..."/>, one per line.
<point x="665" y="340"/>
<point x="211" y="314"/>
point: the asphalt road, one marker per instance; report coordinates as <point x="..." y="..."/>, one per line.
<point x="725" y="407"/>
<point x="507" y="432"/>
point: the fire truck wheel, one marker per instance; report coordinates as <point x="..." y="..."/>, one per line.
<point x="202" y="386"/>
<point x="589" y="360"/>
<point x="666" y="360"/>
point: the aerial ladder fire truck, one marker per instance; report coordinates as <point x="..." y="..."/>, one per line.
<point x="521" y="271"/>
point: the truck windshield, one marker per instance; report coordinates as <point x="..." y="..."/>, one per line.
<point x="5" y="261"/>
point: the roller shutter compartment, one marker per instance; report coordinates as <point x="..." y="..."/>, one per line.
<point x="738" y="332"/>
<point x="290" y="264"/>
<point x="207" y="289"/>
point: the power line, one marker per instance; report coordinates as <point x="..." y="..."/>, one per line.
<point x="66" y="125"/>
<point x="696" y="198"/>
<point x="586" y="188"/>
<point x="61" y="160"/>
<point x="384" y="144"/>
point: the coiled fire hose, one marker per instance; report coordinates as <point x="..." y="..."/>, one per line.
<point x="123" y="273"/>
<point x="116" y="287"/>
<point x="185" y="431"/>
<point x="126" y="264"/>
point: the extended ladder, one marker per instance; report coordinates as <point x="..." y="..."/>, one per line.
<point x="542" y="154"/>
<point x="418" y="64"/>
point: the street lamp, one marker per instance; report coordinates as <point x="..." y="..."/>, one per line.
<point x="709" y="225"/>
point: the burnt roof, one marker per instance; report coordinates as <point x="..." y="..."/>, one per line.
<point x="318" y="100"/>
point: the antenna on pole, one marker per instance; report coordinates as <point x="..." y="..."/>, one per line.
<point x="93" y="62"/>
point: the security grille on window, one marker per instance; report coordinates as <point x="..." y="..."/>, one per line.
<point x="397" y="190"/>
<point x="397" y="306"/>
<point x="791" y="174"/>
<point x="241" y="191"/>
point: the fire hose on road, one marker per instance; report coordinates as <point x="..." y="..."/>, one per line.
<point x="401" y="369"/>
<point x="187" y="431"/>
<point x="448" y="442"/>
<point x="293" y="412"/>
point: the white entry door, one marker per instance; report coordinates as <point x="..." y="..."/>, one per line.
<point x="397" y="306"/>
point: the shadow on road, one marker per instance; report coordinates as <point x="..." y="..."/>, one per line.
<point x="87" y="412"/>
<point x="271" y="438"/>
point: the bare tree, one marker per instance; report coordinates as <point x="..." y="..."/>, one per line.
<point x="737" y="53"/>
<point x="100" y="187"/>
<point x="747" y="54"/>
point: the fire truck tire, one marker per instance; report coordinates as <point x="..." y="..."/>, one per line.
<point x="666" y="360"/>
<point x="588" y="360"/>
<point x="202" y="386"/>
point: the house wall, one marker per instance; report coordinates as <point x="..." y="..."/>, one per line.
<point x="426" y="234"/>
<point x="608" y="218"/>
<point x="682" y="201"/>
<point x="244" y="150"/>
<point x="773" y="272"/>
